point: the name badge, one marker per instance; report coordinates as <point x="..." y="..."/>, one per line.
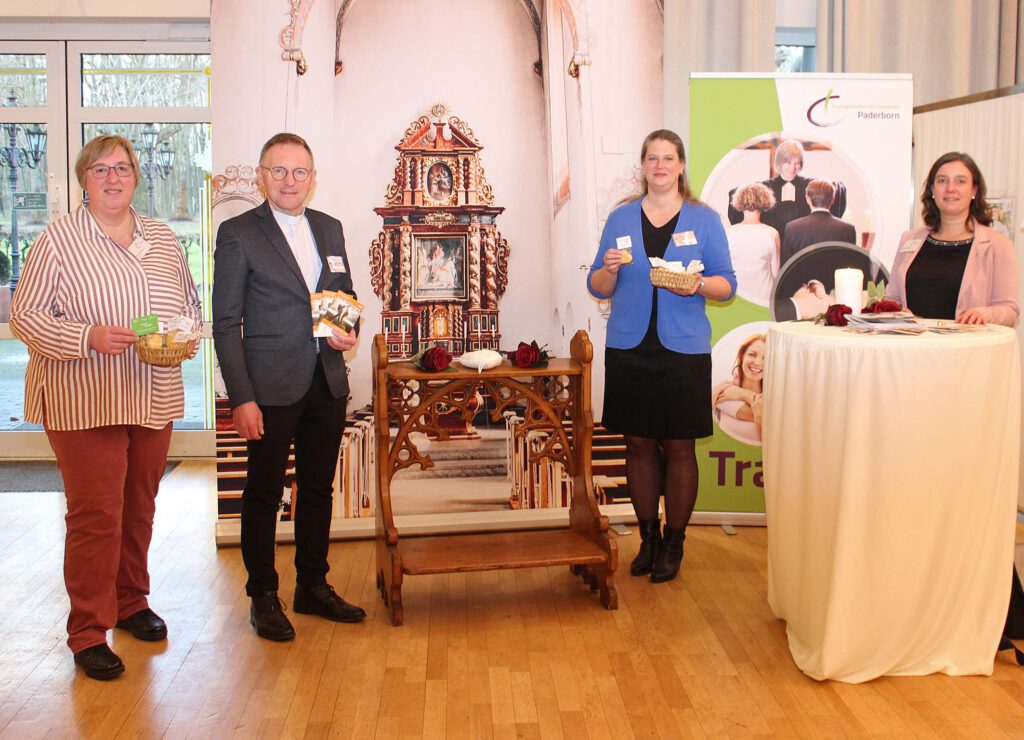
<point x="335" y="263"/>
<point x="623" y="242"/>
<point x="684" y="239"/>
<point x="912" y="245"/>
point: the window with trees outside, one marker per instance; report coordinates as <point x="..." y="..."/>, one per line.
<point x="54" y="97"/>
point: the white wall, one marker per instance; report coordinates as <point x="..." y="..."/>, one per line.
<point x="795" y="13"/>
<point x="608" y="110"/>
<point x="475" y="56"/>
<point x="400" y="57"/>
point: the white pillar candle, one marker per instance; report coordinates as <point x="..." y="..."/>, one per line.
<point x="849" y="288"/>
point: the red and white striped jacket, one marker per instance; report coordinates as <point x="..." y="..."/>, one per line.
<point x="76" y="277"/>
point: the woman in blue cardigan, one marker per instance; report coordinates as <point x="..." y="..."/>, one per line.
<point x="658" y="349"/>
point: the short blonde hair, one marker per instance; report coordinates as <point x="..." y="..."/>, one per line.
<point x="789" y="150"/>
<point x="753" y="197"/>
<point x="100" y="147"/>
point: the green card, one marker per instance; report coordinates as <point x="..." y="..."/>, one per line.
<point x="143" y="325"/>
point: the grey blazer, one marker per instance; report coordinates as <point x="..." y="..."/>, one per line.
<point x="262" y="325"/>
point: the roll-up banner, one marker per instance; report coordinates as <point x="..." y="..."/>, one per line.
<point x="810" y="173"/>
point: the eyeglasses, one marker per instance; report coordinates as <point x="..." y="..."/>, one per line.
<point x="279" y="173"/>
<point x="100" y="171"/>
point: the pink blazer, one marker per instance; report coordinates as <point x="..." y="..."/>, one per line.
<point x="990" y="277"/>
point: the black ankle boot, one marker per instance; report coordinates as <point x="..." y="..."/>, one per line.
<point x="670" y="556"/>
<point x="650" y="536"/>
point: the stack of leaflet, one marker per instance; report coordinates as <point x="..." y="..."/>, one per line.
<point x="943" y="326"/>
<point x="895" y="322"/>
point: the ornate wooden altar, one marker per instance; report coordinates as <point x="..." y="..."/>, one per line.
<point x="406" y="398"/>
<point x="439" y="266"/>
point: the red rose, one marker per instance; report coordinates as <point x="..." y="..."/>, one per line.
<point x="527" y="355"/>
<point x="435" y="359"/>
<point x="836" y="315"/>
<point x="883" y="307"/>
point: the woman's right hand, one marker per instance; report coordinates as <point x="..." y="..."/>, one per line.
<point x="612" y="261"/>
<point x="111" y="340"/>
<point x="757" y="408"/>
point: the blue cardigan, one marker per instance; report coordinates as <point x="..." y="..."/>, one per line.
<point x="683" y="325"/>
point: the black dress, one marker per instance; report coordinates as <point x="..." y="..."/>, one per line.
<point x="649" y="390"/>
<point x="934" y="277"/>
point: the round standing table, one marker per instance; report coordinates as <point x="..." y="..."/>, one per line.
<point x="891" y="474"/>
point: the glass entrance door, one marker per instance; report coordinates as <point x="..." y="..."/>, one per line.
<point x="70" y="92"/>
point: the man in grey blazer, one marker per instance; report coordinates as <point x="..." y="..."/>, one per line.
<point x="283" y="384"/>
<point x="819" y="226"/>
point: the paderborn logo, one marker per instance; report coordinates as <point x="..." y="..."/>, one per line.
<point x="822" y="113"/>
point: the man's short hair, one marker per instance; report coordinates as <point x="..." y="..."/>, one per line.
<point x="285" y="138"/>
<point x="821" y="193"/>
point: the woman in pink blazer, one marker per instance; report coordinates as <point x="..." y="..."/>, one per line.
<point x="956" y="266"/>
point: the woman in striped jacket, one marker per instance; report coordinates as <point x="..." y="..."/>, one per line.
<point x="107" y="414"/>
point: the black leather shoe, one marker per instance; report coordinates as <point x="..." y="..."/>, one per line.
<point x="650" y="535"/>
<point x="670" y="556"/>
<point x="323" y="601"/>
<point x="267" y="617"/>
<point x="144" y="625"/>
<point x="99" y="662"/>
<point x="1006" y="644"/>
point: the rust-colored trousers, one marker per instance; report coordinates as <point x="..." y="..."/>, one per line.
<point x="111" y="476"/>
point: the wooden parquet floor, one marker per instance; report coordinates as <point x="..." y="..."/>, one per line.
<point x="519" y="654"/>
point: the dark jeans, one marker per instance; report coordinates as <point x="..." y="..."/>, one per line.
<point x="316" y="423"/>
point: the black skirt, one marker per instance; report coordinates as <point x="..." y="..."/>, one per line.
<point x="651" y="391"/>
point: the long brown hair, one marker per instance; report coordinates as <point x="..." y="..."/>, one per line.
<point x="980" y="210"/>
<point x="738" y="368"/>
<point x="663" y="134"/>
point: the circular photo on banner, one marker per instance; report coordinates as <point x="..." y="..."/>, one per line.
<point x="776" y="180"/>
<point x="737" y="381"/>
<point x="805" y="286"/>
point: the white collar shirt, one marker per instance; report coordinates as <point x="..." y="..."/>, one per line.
<point x="300" y="239"/>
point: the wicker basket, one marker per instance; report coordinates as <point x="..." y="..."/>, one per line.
<point x="662" y="278"/>
<point x="171" y="356"/>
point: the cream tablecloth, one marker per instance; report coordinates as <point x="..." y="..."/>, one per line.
<point x="890" y="469"/>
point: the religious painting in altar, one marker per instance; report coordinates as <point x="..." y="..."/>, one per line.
<point x="439" y="264"/>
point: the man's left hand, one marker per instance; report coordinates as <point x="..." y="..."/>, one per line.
<point x="342" y="340"/>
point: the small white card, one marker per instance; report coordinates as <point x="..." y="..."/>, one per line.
<point x="694" y="266"/>
<point x="335" y="263"/>
<point x="623" y="242"/>
<point x="684" y="238"/>
<point x="180" y="324"/>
